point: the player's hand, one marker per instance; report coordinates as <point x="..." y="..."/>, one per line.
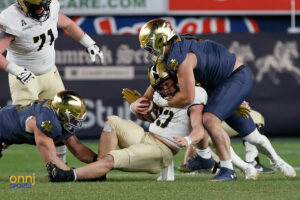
<point x="180" y="140"/>
<point x="243" y="111"/>
<point x="25" y="76"/>
<point x="94" y="51"/>
<point x="140" y="106"/>
<point x="159" y="100"/>
<point x="130" y="96"/>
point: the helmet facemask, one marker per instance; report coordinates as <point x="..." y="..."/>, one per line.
<point x="156" y="47"/>
<point x="71" y="123"/>
<point x="31" y="9"/>
<point x="157" y="74"/>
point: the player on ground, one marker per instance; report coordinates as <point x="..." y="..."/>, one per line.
<point x="227" y="81"/>
<point x="28" y="30"/>
<point x="44" y="122"/>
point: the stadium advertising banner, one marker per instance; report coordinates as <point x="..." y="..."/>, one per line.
<point x="232" y="7"/>
<point x="273" y="60"/>
<point x="109" y="7"/>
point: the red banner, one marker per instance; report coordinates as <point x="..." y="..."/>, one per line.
<point x="235" y="6"/>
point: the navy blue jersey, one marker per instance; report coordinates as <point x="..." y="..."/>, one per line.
<point x="214" y="62"/>
<point x="13" y="119"/>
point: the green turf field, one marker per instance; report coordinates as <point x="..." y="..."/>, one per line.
<point x="24" y="160"/>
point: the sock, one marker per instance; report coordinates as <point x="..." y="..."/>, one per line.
<point x="237" y="161"/>
<point x="251" y="152"/>
<point x="226" y="164"/>
<point x="61" y="152"/>
<point x="204" y="153"/>
<point x="263" y="144"/>
<point x="75" y="175"/>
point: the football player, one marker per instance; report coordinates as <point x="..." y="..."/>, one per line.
<point x="44" y="122"/>
<point x="141" y="151"/>
<point x="227" y="81"/>
<point x="28" y="30"/>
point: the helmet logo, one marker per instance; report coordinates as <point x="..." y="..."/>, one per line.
<point x="47" y="126"/>
<point x="174" y="64"/>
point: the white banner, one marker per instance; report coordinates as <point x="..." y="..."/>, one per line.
<point x="113" y="7"/>
<point x="106" y="7"/>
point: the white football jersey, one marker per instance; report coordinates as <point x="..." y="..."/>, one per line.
<point x="175" y="121"/>
<point x="33" y="46"/>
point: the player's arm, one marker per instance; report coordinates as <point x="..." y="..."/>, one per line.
<point x="72" y="29"/>
<point x="45" y="145"/>
<point x="196" y="112"/>
<point x="5" y="40"/>
<point x="22" y="75"/>
<point x="186" y="83"/>
<point x="79" y="150"/>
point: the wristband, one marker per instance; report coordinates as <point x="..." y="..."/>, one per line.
<point x="87" y="41"/>
<point x="14" y="69"/>
<point x="189" y="141"/>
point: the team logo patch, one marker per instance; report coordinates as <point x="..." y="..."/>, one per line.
<point x="47" y="126"/>
<point x="23" y="22"/>
<point x="174" y="64"/>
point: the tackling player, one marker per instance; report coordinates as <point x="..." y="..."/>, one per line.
<point x="28" y="30"/>
<point x="44" y="122"/>
<point x="227" y="81"/>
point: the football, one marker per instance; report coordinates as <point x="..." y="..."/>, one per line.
<point x="152" y="113"/>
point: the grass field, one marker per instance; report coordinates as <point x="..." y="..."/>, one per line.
<point x="24" y="160"/>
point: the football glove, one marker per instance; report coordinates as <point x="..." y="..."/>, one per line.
<point x="92" y="48"/>
<point x="21" y="73"/>
<point x="130" y="96"/>
<point x="159" y="100"/>
<point x="95" y="51"/>
<point x="243" y="111"/>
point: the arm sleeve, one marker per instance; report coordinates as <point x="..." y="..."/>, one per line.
<point x="48" y="123"/>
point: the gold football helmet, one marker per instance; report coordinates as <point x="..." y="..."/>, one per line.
<point x="158" y="73"/>
<point x="154" y="36"/>
<point x="70" y="109"/>
<point x="32" y="8"/>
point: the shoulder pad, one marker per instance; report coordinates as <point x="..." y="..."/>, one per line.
<point x="48" y="123"/>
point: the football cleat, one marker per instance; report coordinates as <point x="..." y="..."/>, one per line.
<point x="197" y="163"/>
<point x="225" y="174"/>
<point x="58" y="175"/>
<point x="283" y="167"/>
<point x="261" y="168"/>
<point x="250" y="172"/>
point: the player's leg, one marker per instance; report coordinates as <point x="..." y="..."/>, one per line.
<point x="249" y="132"/>
<point x="150" y="155"/>
<point x="23" y="94"/>
<point x="264" y="146"/>
<point x="251" y="155"/>
<point x="248" y="169"/>
<point x="222" y="103"/>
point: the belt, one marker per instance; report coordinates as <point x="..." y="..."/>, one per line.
<point x="237" y="69"/>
